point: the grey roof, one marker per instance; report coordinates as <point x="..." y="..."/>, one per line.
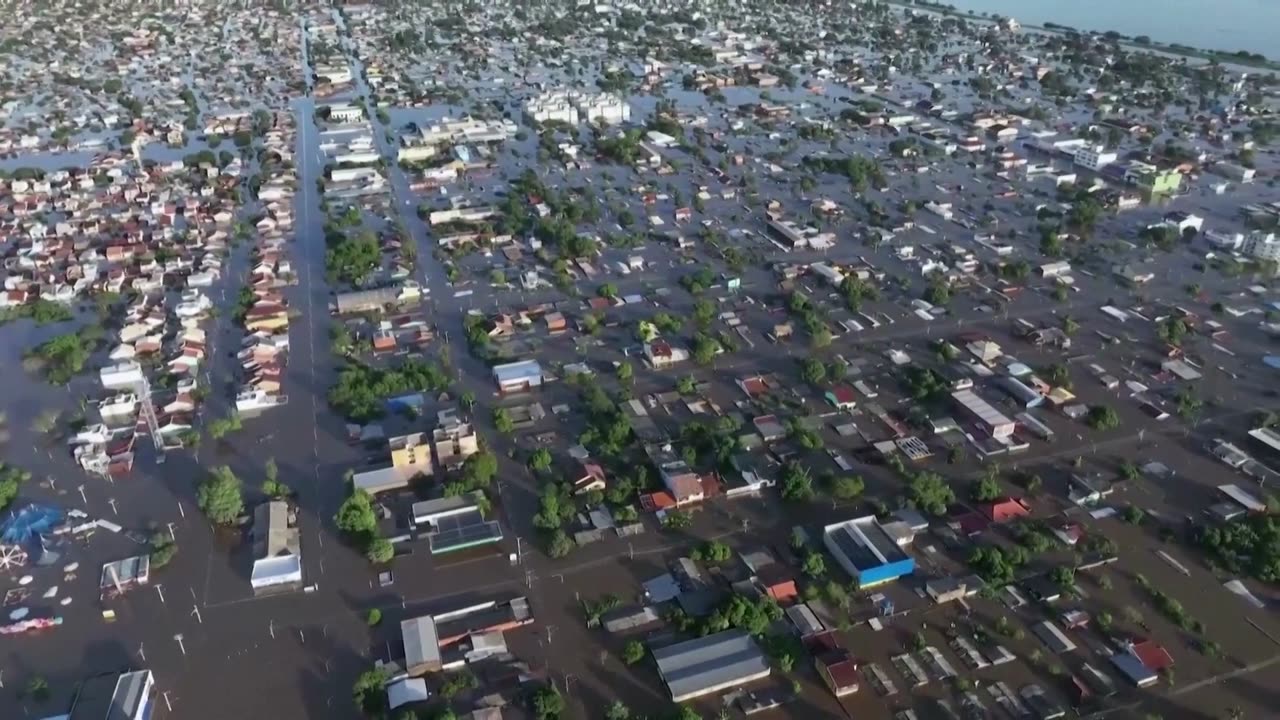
<point x="525" y="369"/>
<point x="702" y="665"/>
<point x="272" y="536"/>
<point x="428" y="509"/>
<point x="361" y="300"/>
<point x="129" y="696"/>
<point x="421" y="644"/>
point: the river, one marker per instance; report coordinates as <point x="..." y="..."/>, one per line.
<point x="1228" y="25"/>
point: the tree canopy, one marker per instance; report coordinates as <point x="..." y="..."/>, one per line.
<point x="219" y="496"/>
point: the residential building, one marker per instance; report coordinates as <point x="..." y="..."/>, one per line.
<point x="345" y="112"/>
<point x="455" y="442"/>
<point x="1232" y="171"/>
<point x="1094" y="157"/>
<point x="838" y="670"/>
<point x="555" y="106"/>
<point x="662" y="354"/>
<point x="410" y="459"/>
<point x="1262" y="246"/>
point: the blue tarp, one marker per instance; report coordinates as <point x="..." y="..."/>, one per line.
<point x="25" y="526"/>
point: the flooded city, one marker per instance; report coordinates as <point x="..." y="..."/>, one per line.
<point x="696" y="360"/>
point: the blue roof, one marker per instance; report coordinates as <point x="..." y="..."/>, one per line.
<point x="518" y="371"/>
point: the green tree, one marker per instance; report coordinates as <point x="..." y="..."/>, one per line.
<point x="547" y="704"/>
<point x="355" y="516"/>
<point x="929" y="492"/>
<point x="1102" y="418"/>
<point x="379" y="550"/>
<point x="219" y="496"/>
<point x="704" y="311"/>
<point x="373" y="618"/>
<point x="815" y="565"/>
<point x="625" y="372"/>
<point x="617" y="711"/>
<point x="813" y="371"/>
<point x="797" y="485"/>
<point x="540" y="460"/>
<point x="847" y="487"/>
<point x="987" y="489"/>
<point x="163" y="548"/>
<point x="560" y="544"/>
<point x="370" y="692"/>
<point x="677" y="520"/>
<point x="11" y="479"/>
<point x="633" y="652"/>
<point x="502" y="421"/>
<point x="686" y="385"/>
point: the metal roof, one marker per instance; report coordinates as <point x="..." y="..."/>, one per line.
<point x="706" y="664"/>
<point x="421" y="645"/>
<point x="525" y="369"/>
<point x="130" y="695"/>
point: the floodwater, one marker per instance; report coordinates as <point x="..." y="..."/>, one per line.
<point x="1228" y="25"/>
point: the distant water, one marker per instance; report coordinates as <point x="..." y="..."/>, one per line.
<point x="1229" y="25"/>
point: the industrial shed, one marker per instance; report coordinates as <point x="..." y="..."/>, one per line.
<point x="358" y="301"/>
<point x="421" y="645"/>
<point x="710" y="664"/>
<point x="866" y="551"/>
<point x="277" y="551"/>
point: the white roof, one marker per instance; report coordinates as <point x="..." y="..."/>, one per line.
<point x="279" y="570"/>
<point x="408" y="690"/>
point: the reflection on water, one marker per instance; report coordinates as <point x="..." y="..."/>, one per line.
<point x="1228" y="25"/>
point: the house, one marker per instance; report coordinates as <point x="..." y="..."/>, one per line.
<point x="661" y="354"/>
<point x="410" y="458"/>
<point x="842" y="397"/>
<point x="838" y="670"/>
<point x="455" y="442"/>
<point x="592" y="477"/>
<point x="1004" y="510"/>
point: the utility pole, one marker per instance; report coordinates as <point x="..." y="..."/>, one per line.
<point x="271" y="628"/>
<point x="160" y="592"/>
<point x="112" y="503"/>
<point x="195" y="611"/>
<point x="83" y="499"/>
<point x="181" y="647"/>
<point x="171" y="535"/>
<point x="141" y="653"/>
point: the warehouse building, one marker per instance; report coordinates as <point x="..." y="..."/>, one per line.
<point x="706" y="665"/>
<point x="989" y="418"/>
<point x="866" y="551"/>
<point x="518" y="376"/>
<point x="277" y="548"/>
<point x="123" y="696"/>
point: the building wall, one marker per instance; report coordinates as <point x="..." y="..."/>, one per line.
<point x="885" y="573"/>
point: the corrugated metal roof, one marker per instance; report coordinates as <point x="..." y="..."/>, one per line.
<point x="698" y="666"/>
<point x="421" y="644"/>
